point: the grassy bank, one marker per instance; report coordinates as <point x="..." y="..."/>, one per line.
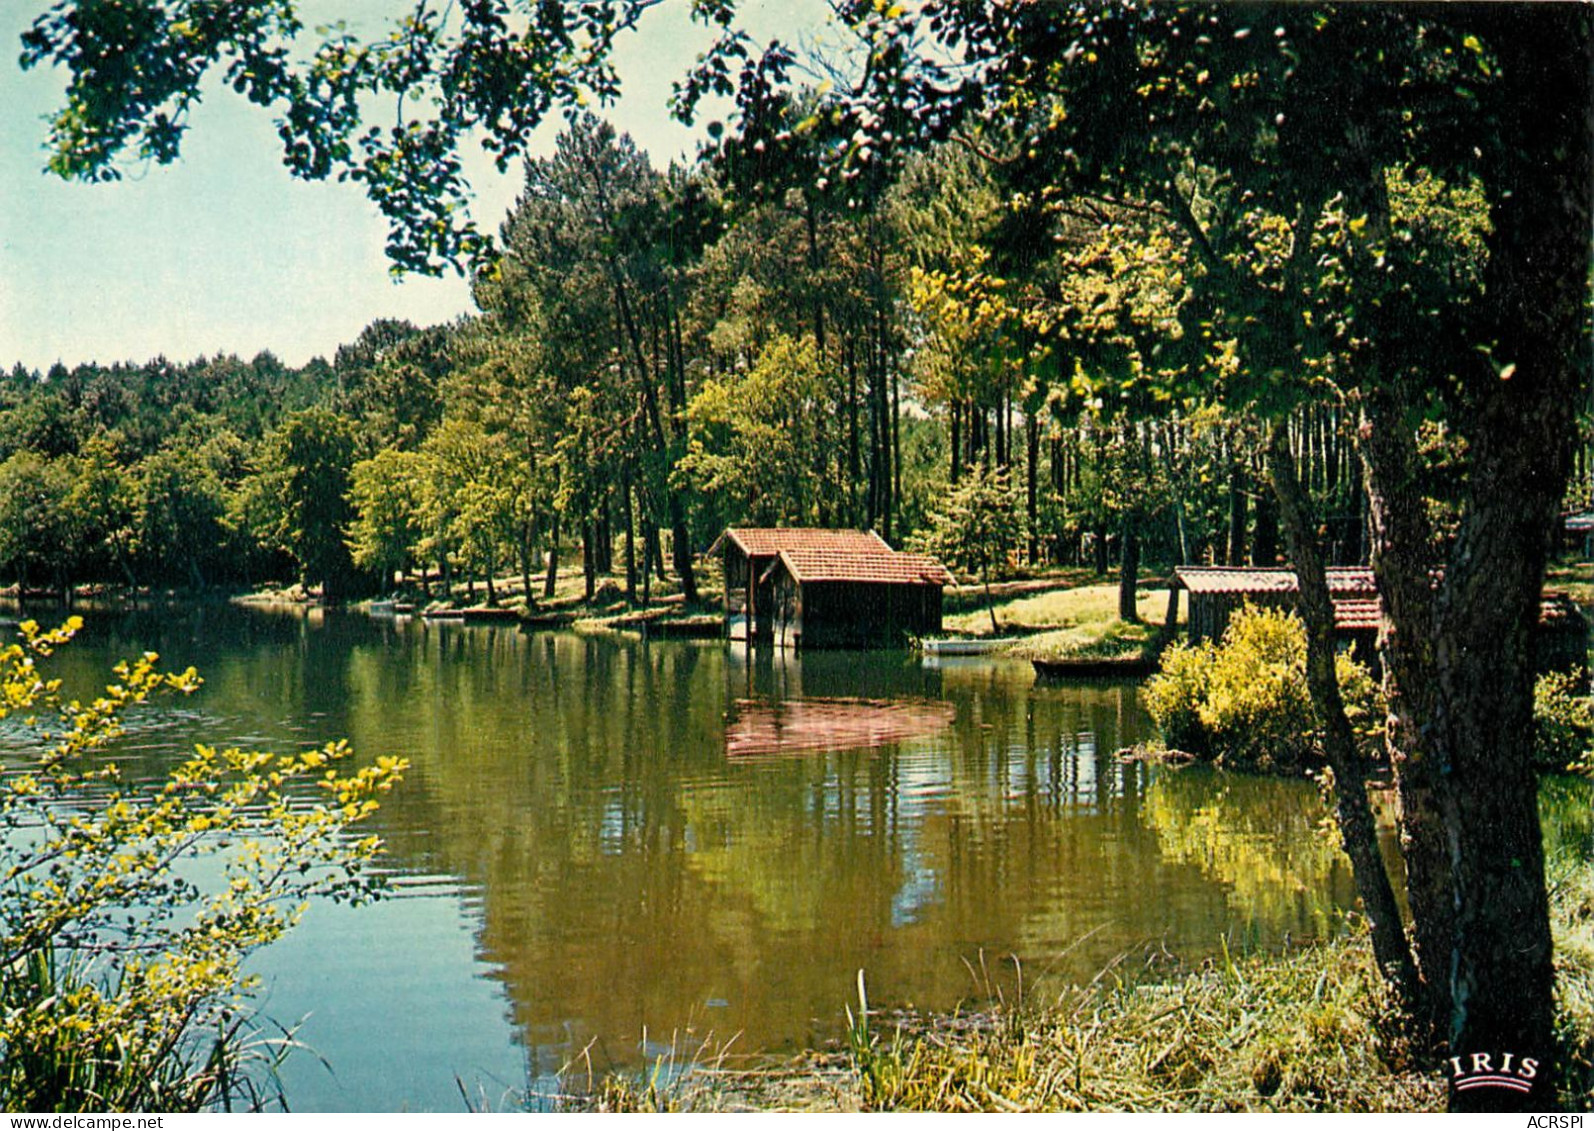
<point x="1306" y="1030"/>
<point x="1072" y="620"/>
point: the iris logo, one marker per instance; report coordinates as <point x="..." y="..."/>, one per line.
<point x="1489" y="1070"/>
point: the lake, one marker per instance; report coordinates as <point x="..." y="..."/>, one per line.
<point x="605" y="847"/>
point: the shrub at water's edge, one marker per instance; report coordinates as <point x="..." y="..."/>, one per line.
<point x="1244" y="703"/>
<point x="121" y="981"/>
<point x="1563" y="718"/>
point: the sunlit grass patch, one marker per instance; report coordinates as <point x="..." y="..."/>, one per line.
<point x="1097" y="640"/>
<point x="1076" y="608"/>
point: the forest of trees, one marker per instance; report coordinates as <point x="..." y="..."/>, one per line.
<point x="659" y="355"/>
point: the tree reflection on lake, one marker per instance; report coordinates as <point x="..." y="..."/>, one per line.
<point x="584" y="852"/>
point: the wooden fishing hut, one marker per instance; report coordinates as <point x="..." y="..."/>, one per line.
<point x="1215" y="592"/>
<point x="824" y="588"/>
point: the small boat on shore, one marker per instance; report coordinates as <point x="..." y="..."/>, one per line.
<point x="1095" y="667"/>
<point x="561" y="619"/>
<point x="484" y="615"/>
<point x="964" y="645"/>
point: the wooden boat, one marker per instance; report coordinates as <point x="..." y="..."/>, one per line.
<point x="563" y="619"/>
<point x="484" y="615"/>
<point x="1095" y="667"/>
<point x="964" y="646"/>
<point x="684" y="628"/>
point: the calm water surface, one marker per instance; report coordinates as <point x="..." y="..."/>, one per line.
<point x="610" y="845"/>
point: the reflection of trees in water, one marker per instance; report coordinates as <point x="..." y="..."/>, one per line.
<point x="628" y="874"/>
<point x="1266" y="839"/>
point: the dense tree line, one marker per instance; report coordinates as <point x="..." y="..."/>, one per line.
<point x="658" y="355"/>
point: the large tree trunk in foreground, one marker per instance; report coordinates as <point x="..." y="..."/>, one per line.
<point x="1357" y="827"/>
<point x="1464" y="654"/>
<point x="1402" y="558"/>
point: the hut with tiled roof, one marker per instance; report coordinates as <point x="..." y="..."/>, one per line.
<point x="1217" y="591"/>
<point x="817" y="588"/>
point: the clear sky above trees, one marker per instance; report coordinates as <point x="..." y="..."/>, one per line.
<point x="224" y="251"/>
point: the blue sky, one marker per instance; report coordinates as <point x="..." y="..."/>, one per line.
<point x="224" y="252"/>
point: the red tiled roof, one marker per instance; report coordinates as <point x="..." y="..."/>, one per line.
<point x="1357" y="614"/>
<point x="767" y="541"/>
<point x="1239" y="579"/>
<point x="1557" y="608"/>
<point x="810" y="563"/>
<point x="1357" y="606"/>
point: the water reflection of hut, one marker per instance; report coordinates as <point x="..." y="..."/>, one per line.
<point x="814" y="588"/>
<point x="1217" y="591"/>
<point x="795" y="726"/>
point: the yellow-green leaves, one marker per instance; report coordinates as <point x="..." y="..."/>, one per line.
<point x="97" y="867"/>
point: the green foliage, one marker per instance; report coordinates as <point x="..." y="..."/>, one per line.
<point x="36" y="540"/>
<point x="979" y="527"/>
<point x="1244" y="703"/>
<point x="298" y="498"/>
<point x="178" y="521"/>
<point x="120" y="964"/>
<point x="1563" y="722"/>
<point x="388" y="492"/>
<point x="755" y="441"/>
<point x="476" y="494"/>
<point x="1176" y="694"/>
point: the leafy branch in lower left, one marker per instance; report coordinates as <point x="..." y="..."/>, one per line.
<point x="128" y="907"/>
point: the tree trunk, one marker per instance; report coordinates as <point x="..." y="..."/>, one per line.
<point x="681" y="548"/>
<point x="630" y="538"/>
<point x="1402" y="559"/>
<point x="1357" y="828"/>
<point x="1129" y="571"/>
<point x="656" y="551"/>
<point x="1237" y="513"/>
<point x="649" y="548"/>
<point x="1520" y="445"/>
<point x="955" y="472"/>
<point x="551" y="579"/>
<point x="589" y="560"/>
<point x="1032" y="458"/>
<point x="1265" y="539"/>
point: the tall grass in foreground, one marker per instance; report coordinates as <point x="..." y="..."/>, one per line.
<point x="1308" y="1030"/>
<point x="54" y="1061"/>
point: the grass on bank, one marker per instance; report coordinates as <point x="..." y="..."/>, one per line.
<point x="1081" y="621"/>
<point x="1306" y="1030"/>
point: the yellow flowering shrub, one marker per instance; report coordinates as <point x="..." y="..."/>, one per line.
<point x="1244" y="703"/>
<point x="121" y="982"/>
